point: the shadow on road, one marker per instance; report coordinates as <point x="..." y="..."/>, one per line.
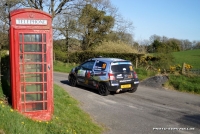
<point x="81" y="87"/>
<point x="88" y="89"/>
<point x="192" y="121"/>
<point x="65" y="82"/>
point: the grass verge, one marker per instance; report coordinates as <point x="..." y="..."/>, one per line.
<point x="184" y="83"/>
<point x="68" y="118"/>
<point x="59" y="66"/>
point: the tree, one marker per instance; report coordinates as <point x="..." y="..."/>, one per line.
<point x="153" y="38"/>
<point x="155" y="45"/>
<point x="94" y="26"/>
<point x="197" y="45"/>
<point x="53" y="7"/>
<point x="164" y="56"/>
<point x="174" y="44"/>
<point x="5" y="7"/>
<point x="142" y="46"/>
<point x="120" y="36"/>
<point x="186" y="44"/>
<point x="124" y="30"/>
<point x="66" y="28"/>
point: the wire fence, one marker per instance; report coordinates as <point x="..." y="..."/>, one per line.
<point x="193" y="71"/>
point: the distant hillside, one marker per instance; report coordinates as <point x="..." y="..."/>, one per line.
<point x="191" y="57"/>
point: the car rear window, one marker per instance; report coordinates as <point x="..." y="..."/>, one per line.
<point x="122" y="68"/>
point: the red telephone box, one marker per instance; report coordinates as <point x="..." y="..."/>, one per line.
<point x="31" y="63"/>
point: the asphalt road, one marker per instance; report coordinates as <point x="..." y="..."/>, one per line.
<point x="142" y="112"/>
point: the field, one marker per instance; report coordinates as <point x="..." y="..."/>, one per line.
<point x="59" y="66"/>
<point x="191" y="57"/>
<point x="188" y="82"/>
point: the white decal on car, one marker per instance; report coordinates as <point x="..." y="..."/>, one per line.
<point x="81" y="73"/>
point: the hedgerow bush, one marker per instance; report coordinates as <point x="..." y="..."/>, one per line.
<point x="114" y="47"/>
<point x="79" y="57"/>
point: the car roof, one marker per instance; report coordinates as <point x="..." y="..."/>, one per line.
<point x="108" y="59"/>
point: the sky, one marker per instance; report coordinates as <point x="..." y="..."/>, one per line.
<point x="178" y="19"/>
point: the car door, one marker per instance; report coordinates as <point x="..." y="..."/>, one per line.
<point x="99" y="73"/>
<point x="84" y="72"/>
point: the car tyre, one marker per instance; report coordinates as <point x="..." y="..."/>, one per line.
<point x="103" y="89"/>
<point x="132" y="90"/>
<point x="72" y="81"/>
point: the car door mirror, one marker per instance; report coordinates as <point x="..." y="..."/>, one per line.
<point x="78" y="68"/>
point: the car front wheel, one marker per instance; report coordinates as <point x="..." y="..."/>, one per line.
<point x="103" y="89"/>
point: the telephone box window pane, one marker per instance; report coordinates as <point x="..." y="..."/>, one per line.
<point x="33" y="68"/>
<point x="33" y="58"/>
<point x="33" y="48"/>
<point x="45" y="96"/>
<point x="20" y="37"/>
<point x="20" y="48"/>
<point x="22" y="96"/>
<point x="45" y="67"/>
<point x="32" y="37"/>
<point x="22" y="78"/>
<point x="39" y="106"/>
<point x="44" y="57"/>
<point x="44" y="48"/>
<point x="21" y="68"/>
<point x="34" y="106"/>
<point x="33" y="87"/>
<point x="22" y="88"/>
<point x="45" y="77"/>
<point x="33" y="77"/>
<point x="45" y="86"/>
<point x="21" y="58"/>
<point x="34" y="97"/>
<point x="44" y="36"/>
<point x="45" y="106"/>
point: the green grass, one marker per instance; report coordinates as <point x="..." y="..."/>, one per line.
<point x="185" y="83"/>
<point x="191" y="57"/>
<point x="63" y="67"/>
<point x="68" y="118"/>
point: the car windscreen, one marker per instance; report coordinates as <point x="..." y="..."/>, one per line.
<point x="122" y="68"/>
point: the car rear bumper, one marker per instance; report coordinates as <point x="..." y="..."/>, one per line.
<point x="122" y="86"/>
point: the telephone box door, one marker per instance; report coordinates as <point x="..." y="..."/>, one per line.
<point x="34" y="66"/>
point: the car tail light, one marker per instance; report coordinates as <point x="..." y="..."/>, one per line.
<point x="135" y="75"/>
<point x="111" y="76"/>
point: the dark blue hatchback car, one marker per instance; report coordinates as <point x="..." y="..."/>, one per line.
<point x="105" y="75"/>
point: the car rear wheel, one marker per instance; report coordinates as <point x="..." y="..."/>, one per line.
<point x="72" y="81"/>
<point x="132" y="90"/>
<point x="103" y="89"/>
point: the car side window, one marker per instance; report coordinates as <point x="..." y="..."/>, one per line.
<point x="88" y="65"/>
<point x="100" y="66"/>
